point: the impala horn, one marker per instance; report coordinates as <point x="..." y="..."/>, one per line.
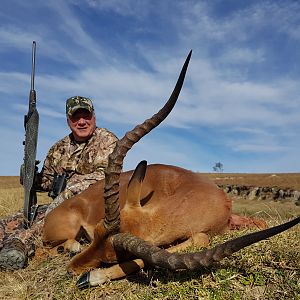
<point x="115" y="160"/>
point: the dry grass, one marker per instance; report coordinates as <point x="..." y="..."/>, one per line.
<point x="267" y="270"/>
<point x="11" y="195"/>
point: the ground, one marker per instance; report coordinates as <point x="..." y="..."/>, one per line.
<point x="267" y="270"/>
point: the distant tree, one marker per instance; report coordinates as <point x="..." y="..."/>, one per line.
<point x="218" y="167"/>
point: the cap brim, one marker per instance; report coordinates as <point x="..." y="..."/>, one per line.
<point x="75" y="108"/>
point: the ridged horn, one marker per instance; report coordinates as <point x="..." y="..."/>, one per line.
<point x="115" y="160"/>
<point x="174" y="261"/>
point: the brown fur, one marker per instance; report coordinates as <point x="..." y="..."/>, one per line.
<point x="176" y="204"/>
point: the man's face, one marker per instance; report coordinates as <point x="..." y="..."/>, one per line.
<point x="82" y="124"/>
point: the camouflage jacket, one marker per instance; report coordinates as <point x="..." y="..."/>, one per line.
<point x="84" y="163"/>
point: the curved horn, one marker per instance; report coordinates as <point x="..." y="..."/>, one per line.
<point x="189" y="261"/>
<point x="115" y="160"/>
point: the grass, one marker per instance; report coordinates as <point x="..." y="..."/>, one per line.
<point x="267" y="270"/>
<point x="11" y="195"/>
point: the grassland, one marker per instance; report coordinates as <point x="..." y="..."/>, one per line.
<point x="11" y="195"/>
<point x="267" y="270"/>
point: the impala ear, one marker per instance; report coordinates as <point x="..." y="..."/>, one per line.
<point x="139" y="172"/>
<point x="135" y="185"/>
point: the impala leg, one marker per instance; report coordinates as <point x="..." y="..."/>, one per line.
<point x="100" y="276"/>
<point x="71" y="246"/>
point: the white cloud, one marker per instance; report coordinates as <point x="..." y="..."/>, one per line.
<point x="202" y="27"/>
<point x="242" y="55"/>
<point x="135" y="8"/>
<point x="130" y="76"/>
<point x="14" y="37"/>
<point x="71" y="25"/>
<point x="42" y="111"/>
<point x="259" y="148"/>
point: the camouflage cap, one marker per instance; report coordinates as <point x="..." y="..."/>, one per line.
<point x="77" y="102"/>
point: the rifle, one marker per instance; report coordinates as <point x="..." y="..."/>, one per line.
<point x="28" y="169"/>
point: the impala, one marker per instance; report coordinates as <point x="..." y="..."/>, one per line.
<point x="146" y="216"/>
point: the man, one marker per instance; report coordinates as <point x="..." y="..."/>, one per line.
<point x="81" y="157"/>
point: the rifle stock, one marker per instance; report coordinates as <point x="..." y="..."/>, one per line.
<point x="31" y="123"/>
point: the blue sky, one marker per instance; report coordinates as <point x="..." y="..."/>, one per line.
<point x="240" y="104"/>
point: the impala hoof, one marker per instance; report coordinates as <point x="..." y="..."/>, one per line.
<point x="84" y="281"/>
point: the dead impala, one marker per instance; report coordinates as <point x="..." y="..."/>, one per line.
<point x="128" y="215"/>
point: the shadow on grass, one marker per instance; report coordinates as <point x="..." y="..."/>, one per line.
<point x="149" y="275"/>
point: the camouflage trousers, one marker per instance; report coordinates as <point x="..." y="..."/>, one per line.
<point x="12" y="227"/>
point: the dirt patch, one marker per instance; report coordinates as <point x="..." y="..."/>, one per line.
<point x="280" y="180"/>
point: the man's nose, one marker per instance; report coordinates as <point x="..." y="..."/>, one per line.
<point x="81" y="121"/>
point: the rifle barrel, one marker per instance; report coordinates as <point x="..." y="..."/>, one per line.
<point x="33" y="65"/>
